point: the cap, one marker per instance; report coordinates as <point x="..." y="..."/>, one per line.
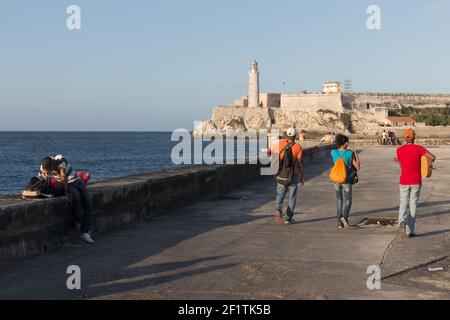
<point x="291" y="132"/>
<point x="409" y="134"/>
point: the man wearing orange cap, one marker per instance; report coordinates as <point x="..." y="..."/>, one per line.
<point x="409" y="156"/>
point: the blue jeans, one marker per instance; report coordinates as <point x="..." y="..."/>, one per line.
<point x="291" y="190"/>
<point x="409" y="199"/>
<point x="344" y="197"/>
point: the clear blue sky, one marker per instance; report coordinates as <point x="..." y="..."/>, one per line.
<point x="159" y="65"/>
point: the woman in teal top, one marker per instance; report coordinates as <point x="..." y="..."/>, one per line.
<point x="344" y="192"/>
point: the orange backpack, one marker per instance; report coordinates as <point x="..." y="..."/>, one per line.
<point x="339" y="172"/>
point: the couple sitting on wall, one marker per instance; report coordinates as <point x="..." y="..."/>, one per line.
<point x="56" y="178"/>
<point x="291" y="174"/>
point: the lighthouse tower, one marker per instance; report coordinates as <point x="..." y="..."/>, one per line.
<point x="253" y="86"/>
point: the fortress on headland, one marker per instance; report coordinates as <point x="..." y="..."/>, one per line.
<point x="333" y="109"/>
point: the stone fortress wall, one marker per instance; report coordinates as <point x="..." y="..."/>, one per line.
<point x="312" y="102"/>
<point x="394" y="100"/>
<point x="307" y="101"/>
<point x="330" y="110"/>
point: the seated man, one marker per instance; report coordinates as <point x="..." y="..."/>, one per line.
<point x="59" y="169"/>
<point x="379" y="138"/>
<point x="384" y="137"/>
<point x="302" y="135"/>
<point x="328" y="138"/>
<point x="393" y="138"/>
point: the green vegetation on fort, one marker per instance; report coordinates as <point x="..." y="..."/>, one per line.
<point x="327" y="112"/>
<point x="431" y="116"/>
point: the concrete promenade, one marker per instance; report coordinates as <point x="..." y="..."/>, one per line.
<point x="230" y="248"/>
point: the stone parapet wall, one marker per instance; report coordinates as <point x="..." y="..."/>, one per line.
<point x="30" y="227"/>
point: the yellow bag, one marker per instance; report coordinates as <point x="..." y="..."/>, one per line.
<point x="339" y="172"/>
<point x="427" y="167"/>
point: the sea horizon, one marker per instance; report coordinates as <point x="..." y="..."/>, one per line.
<point x="106" y="154"/>
<point x="84" y="131"/>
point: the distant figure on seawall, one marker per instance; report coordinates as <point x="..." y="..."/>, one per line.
<point x="328" y="138"/>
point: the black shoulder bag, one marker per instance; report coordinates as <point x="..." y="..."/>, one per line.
<point x="353" y="173"/>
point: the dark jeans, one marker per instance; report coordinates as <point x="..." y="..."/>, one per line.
<point x="344" y="196"/>
<point x="80" y="201"/>
<point x="291" y="191"/>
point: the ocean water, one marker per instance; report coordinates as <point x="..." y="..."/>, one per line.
<point x="105" y="155"/>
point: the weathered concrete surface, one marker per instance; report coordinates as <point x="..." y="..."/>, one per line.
<point x="29" y="227"/>
<point x="230" y="248"/>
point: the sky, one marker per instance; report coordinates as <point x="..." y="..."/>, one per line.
<point x="159" y="65"/>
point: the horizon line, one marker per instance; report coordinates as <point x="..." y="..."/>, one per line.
<point x="84" y="131"/>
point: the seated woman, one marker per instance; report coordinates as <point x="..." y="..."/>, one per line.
<point x="328" y="138"/>
<point x="59" y="169"/>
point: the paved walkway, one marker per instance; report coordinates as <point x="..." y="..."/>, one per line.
<point x="231" y="249"/>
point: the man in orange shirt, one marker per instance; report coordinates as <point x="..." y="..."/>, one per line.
<point x="298" y="177"/>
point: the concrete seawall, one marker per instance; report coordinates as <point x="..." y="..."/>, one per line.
<point x="31" y="227"/>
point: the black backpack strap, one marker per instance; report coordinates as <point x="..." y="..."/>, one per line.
<point x="289" y="146"/>
<point x="351" y="160"/>
<point x="286" y="148"/>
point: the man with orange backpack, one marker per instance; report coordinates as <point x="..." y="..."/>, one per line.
<point x="346" y="164"/>
<point x="290" y="174"/>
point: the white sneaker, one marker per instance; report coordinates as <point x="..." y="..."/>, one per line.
<point x="86" y="237"/>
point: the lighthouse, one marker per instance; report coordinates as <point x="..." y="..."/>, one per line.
<point x="253" y="86"/>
